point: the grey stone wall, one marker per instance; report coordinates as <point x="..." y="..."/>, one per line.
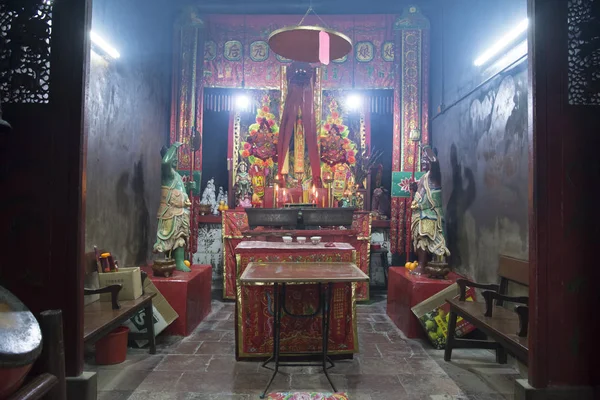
<point x="482" y="144"/>
<point x="128" y="110"/>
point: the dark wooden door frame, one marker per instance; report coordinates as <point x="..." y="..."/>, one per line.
<point x="43" y="175"/>
<point x="564" y="170"/>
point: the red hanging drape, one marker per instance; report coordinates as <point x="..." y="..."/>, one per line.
<point x="300" y="96"/>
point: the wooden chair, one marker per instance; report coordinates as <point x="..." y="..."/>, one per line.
<point x="507" y="329"/>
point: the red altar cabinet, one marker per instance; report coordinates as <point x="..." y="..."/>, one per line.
<point x="254" y="305"/>
<point x="236" y="230"/>
<point x="189" y="293"/>
<point x="405" y="291"/>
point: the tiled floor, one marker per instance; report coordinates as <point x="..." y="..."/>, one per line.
<point x="389" y="367"/>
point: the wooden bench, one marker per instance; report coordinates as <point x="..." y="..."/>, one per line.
<point x="102" y="317"/>
<point x="507" y="329"/>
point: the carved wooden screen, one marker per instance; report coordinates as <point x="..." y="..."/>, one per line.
<point x="25" y="31"/>
<point x="584" y="52"/>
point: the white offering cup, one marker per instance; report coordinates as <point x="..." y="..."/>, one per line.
<point x="301" y="239"/>
<point x="315" y="239"/>
<point x="287" y="239"/>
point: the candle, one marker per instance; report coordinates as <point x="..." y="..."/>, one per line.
<point x="316" y="200"/>
<point x="276" y="195"/>
<point x="284" y="197"/>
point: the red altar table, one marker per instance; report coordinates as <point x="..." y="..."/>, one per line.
<point x="254" y="305"/>
<point x="280" y="275"/>
<point x="189" y="293"/>
<point x="236" y="230"/>
<point x="406" y="291"/>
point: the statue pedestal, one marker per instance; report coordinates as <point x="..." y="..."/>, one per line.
<point x="406" y="291"/>
<point x="189" y="293"/>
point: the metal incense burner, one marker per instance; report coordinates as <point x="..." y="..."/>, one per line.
<point x="163" y="267"/>
<point x="438" y="268"/>
<point x="300" y="218"/>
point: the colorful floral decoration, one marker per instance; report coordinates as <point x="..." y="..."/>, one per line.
<point x="260" y="148"/>
<point x="336" y="147"/>
<point x="405" y="184"/>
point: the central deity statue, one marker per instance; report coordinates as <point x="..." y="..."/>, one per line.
<point x="174" y="211"/>
<point x="301" y="78"/>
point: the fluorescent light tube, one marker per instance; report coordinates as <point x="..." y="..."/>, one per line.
<point x="108" y="49"/>
<point x="502" y="43"/>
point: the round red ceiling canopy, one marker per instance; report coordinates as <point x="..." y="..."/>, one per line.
<point x="301" y="43"/>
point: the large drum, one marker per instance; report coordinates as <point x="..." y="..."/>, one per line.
<point x="20" y="342"/>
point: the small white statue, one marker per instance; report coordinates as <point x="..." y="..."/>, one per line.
<point x="208" y="196"/>
<point x="221" y="196"/>
<point x="215" y="206"/>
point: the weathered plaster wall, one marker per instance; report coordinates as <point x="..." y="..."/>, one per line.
<point x="128" y="112"/>
<point x="482" y="144"/>
<point x="479" y="126"/>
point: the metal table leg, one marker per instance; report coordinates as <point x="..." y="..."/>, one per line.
<point x="277" y="306"/>
<point x="386" y="266"/>
<point x="326" y="299"/>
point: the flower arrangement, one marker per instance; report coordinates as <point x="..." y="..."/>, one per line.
<point x="336" y="147"/>
<point x="261" y="145"/>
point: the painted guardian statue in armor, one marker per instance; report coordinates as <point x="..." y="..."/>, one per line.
<point x="174" y="211"/>
<point x="427" y="223"/>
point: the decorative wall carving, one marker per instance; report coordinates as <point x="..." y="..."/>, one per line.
<point x="25" y="31"/>
<point x="584" y="52"/>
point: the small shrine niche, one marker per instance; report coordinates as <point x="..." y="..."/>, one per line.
<point x="342" y="148"/>
<point x="256" y="133"/>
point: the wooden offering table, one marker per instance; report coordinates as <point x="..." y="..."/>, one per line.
<point x="237" y="230"/>
<point x="255" y="307"/>
<point x="312" y="277"/>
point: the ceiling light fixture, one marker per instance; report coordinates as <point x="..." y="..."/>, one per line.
<point x="502" y="43"/>
<point x="242" y="102"/>
<point x="102" y="44"/>
<point x="354" y="102"/>
<point x="515" y="54"/>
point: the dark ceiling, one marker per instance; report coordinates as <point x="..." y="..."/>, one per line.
<point x="300" y="6"/>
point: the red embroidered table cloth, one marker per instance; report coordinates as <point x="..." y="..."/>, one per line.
<point x="254" y="304"/>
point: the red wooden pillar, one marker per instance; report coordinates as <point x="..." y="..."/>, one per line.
<point x="187" y="105"/>
<point x="42" y="208"/>
<point x="565" y="165"/>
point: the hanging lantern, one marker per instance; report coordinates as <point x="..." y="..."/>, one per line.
<point x="415" y="133"/>
<point x="310" y="44"/>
